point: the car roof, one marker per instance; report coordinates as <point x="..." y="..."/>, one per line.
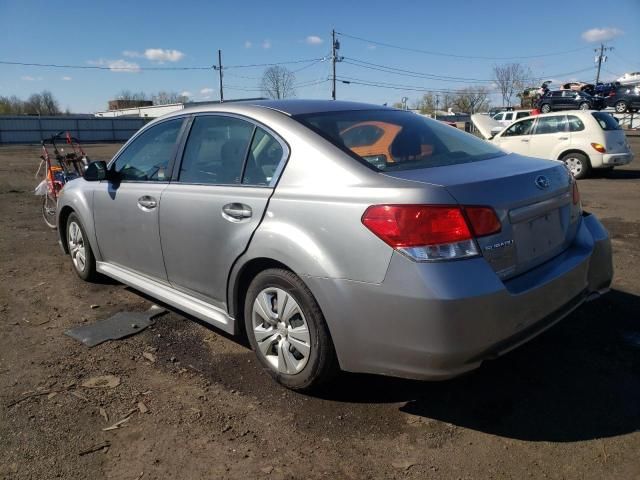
<point x="290" y="107"/>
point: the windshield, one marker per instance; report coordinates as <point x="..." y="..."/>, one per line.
<point x="396" y="140"/>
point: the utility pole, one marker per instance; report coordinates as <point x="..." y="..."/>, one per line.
<point x="335" y="46"/>
<point x="600" y="58"/>
<point x="435" y="112"/>
<point x="220" y="74"/>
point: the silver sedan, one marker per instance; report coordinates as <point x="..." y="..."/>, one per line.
<point x="339" y="235"/>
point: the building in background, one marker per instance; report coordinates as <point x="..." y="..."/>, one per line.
<point x="146" y="109"/>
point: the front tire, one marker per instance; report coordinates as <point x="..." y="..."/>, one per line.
<point x="578" y="164"/>
<point x="545" y="108"/>
<point x="287" y="331"/>
<point x="82" y="258"/>
<point x="584" y="106"/>
<point x="621" y="106"/>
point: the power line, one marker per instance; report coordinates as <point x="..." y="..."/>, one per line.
<point x="291" y="62"/>
<point x="397" y="86"/>
<point x="101" y="67"/>
<point x="453" y="55"/>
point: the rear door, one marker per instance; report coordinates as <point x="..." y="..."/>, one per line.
<point x="217" y="199"/>
<point x="550" y="136"/>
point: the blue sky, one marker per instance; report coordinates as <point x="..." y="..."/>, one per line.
<point x="139" y="34"/>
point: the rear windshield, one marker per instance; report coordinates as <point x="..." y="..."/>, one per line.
<point x="390" y="140"/>
<point x="606" y="121"/>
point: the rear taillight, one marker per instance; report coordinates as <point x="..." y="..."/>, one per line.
<point x="575" y="193"/>
<point x="599" y="147"/>
<point x="431" y="232"/>
<point x="611" y="94"/>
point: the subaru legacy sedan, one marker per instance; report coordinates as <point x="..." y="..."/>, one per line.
<point x="290" y="222"/>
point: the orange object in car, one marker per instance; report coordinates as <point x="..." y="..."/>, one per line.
<point x="371" y="139"/>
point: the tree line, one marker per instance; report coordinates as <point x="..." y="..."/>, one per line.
<point x="43" y="103"/>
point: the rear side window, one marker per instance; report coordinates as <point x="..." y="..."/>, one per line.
<point x="508" y="116"/>
<point x="361" y="135"/>
<point x="409" y="141"/>
<point x="553" y="124"/>
<point x="264" y="157"/>
<point x="215" y="150"/>
<point x="606" y="121"/>
<point x="575" y="124"/>
<point x="522" y="115"/>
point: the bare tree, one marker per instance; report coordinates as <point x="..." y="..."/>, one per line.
<point x="43" y="103"/>
<point x="165" y="98"/>
<point x="511" y="79"/>
<point x="278" y="82"/>
<point x="129" y="95"/>
<point x="11" y="106"/>
<point x="472" y="99"/>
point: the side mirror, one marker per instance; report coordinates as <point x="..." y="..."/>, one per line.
<point x="96" y="171"/>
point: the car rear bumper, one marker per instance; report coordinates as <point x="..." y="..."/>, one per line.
<point x="438" y="320"/>
<point x="611" y="159"/>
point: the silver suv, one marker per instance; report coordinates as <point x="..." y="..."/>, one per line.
<point x="338" y="235"/>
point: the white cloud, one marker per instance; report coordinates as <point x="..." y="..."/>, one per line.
<point x="132" y="54"/>
<point x="29" y="78"/>
<point x="313" y="40"/>
<point x="206" y="97"/>
<point x="266" y="44"/>
<point x="65" y="78"/>
<point x="206" y="91"/>
<point x="116" y="65"/>
<point x="601" y="34"/>
<point x="161" y="55"/>
<point x="248" y="44"/>
<point x="186" y="93"/>
<point x="371" y="47"/>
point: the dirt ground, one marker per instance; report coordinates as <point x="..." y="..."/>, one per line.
<point x="564" y="406"/>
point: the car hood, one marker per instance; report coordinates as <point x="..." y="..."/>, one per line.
<point x="484" y="123"/>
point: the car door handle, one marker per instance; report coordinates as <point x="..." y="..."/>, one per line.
<point x="147" y="202"/>
<point x="563" y="138"/>
<point x="236" y="211"/>
<point x="524" y="140"/>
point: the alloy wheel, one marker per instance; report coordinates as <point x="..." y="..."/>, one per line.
<point x="281" y="331"/>
<point x="621" y="107"/>
<point x="76" y="246"/>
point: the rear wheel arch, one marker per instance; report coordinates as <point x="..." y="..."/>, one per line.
<point x="239" y="284"/>
<point x="572" y="150"/>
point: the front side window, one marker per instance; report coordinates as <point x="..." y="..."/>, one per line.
<point x="409" y="141"/>
<point x="508" y="116"/>
<point x="519" y="128"/>
<point x="147" y="157"/>
<point x="554" y="124"/>
<point x="216" y="150"/>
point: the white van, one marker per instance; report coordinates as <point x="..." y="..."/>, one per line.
<point x="583" y="139"/>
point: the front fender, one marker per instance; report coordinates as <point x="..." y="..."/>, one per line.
<point x="77" y="197"/>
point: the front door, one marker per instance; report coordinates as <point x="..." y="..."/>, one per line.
<point x="126" y="207"/>
<point x="516" y="138"/>
<point x="217" y="200"/>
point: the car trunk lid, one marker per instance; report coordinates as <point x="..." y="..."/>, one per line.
<point x="531" y="197"/>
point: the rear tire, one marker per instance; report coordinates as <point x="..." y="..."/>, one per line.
<point x="287" y="331"/>
<point x="621" y="106"/>
<point x="578" y="164"/>
<point x="49" y="205"/>
<point x="545" y="108"/>
<point x="82" y="258"/>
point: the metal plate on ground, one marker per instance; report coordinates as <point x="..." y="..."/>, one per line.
<point x="120" y="325"/>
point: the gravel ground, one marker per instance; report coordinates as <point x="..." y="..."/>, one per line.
<point x="195" y="404"/>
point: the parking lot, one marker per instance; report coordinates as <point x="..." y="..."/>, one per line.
<point x="192" y="402"/>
